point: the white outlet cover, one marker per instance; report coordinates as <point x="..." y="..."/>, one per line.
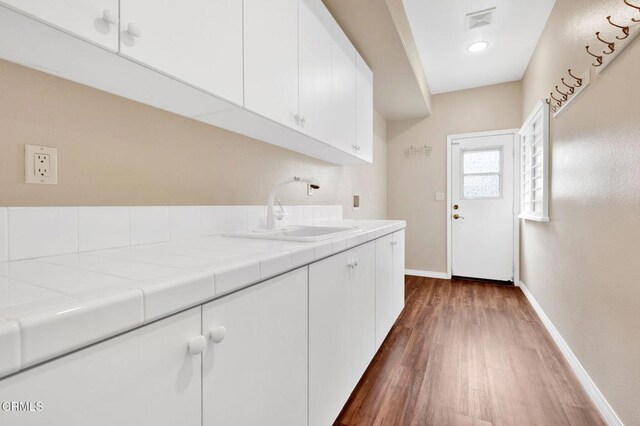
<point x="31" y="174"/>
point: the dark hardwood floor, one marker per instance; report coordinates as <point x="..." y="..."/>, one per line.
<point x="468" y="353"/>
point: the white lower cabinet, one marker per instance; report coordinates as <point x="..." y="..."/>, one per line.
<point x="341" y="329"/>
<point x="389" y="283"/>
<point x="287" y="351"/>
<point x="257" y="373"/>
<point x="144" y="377"/>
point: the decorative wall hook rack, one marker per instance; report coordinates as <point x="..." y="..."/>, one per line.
<point x="419" y="151"/>
<point x="574" y="90"/>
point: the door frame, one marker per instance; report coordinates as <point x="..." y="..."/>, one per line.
<point x="516" y="195"/>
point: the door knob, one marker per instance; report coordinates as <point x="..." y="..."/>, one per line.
<point x="133" y="30"/>
<point x="457" y="216"/>
<point x="456" y="207"/>
<point x="197" y="345"/>
<point x="218" y="334"/>
<point x="109" y="17"/>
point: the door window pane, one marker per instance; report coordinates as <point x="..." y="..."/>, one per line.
<point x="482" y="161"/>
<point x="482" y="174"/>
<point x="481" y="186"/>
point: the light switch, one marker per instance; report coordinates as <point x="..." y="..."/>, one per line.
<point x="41" y="165"/>
<point x="439" y="196"/>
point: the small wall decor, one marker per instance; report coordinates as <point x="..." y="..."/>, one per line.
<point x="420" y="151"/>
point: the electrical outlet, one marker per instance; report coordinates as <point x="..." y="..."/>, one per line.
<point x="41" y="165"/>
<point x="356" y="201"/>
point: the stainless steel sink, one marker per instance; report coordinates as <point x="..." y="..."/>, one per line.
<point x="298" y="233"/>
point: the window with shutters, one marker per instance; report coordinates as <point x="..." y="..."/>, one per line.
<point x="534" y="165"/>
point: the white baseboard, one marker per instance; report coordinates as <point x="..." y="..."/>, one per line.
<point x="610" y="417"/>
<point x="427" y="274"/>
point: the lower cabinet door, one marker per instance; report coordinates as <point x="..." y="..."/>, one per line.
<point x="341" y="329"/>
<point x="362" y="311"/>
<point x="385" y="279"/>
<point x="145" y="377"/>
<point x="398" y="273"/>
<point x="255" y="363"/>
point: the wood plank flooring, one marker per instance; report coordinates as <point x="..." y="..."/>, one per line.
<point x="468" y="353"/>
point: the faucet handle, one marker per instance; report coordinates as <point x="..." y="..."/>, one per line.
<point x="279" y="215"/>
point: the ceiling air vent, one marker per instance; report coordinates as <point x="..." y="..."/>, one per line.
<point x="480" y="19"/>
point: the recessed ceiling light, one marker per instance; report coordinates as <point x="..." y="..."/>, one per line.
<point x="478" y="46"/>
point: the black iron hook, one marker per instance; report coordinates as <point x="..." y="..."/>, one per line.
<point x="635" y="7"/>
<point x="578" y="79"/>
<point x="625" y="30"/>
<point x="599" y="59"/>
<point x="611" y="45"/>
<point x="572" y="89"/>
<point x="565" y="96"/>
<point x="555" y="99"/>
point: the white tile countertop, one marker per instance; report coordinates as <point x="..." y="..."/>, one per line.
<point x="52" y="305"/>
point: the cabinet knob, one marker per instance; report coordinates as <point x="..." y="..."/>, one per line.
<point x="133" y="30"/>
<point x="217" y="334"/>
<point x="394" y="243"/>
<point x="353" y="264"/>
<point x="303" y="120"/>
<point x="109" y="17"/>
<point x="197" y="345"/>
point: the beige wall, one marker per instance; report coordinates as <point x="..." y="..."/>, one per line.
<point x="117" y="152"/>
<point x="413" y="182"/>
<point x="583" y="267"/>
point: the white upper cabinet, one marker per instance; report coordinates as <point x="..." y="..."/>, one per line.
<point x="198" y="42"/>
<point x="271" y="59"/>
<point x="315" y="44"/>
<point x="343" y="91"/>
<point x="93" y="20"/>
<point x="364" y="110"/>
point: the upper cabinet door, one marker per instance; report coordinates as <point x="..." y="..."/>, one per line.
<point x="315" y="44"/>
<point x="93" y="20"/>
<point x="198" y="42"/>
<point x="271" y="59"/>
<point x="343" y="92"/>
<point x="364" y="110"/>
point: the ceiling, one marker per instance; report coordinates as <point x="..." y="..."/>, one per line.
<point x="380" y="31"/>
<point x="440" y="31"/>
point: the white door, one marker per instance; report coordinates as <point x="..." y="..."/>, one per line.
<point x="92" y="20"/>
<point x="315" y="44"/>
<point x="145" y="377"/>
<point x="482" y="206"/>
<point x="198" y="42"/>
<point x="271" y="59"/>
<point x="257" y="375"/>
